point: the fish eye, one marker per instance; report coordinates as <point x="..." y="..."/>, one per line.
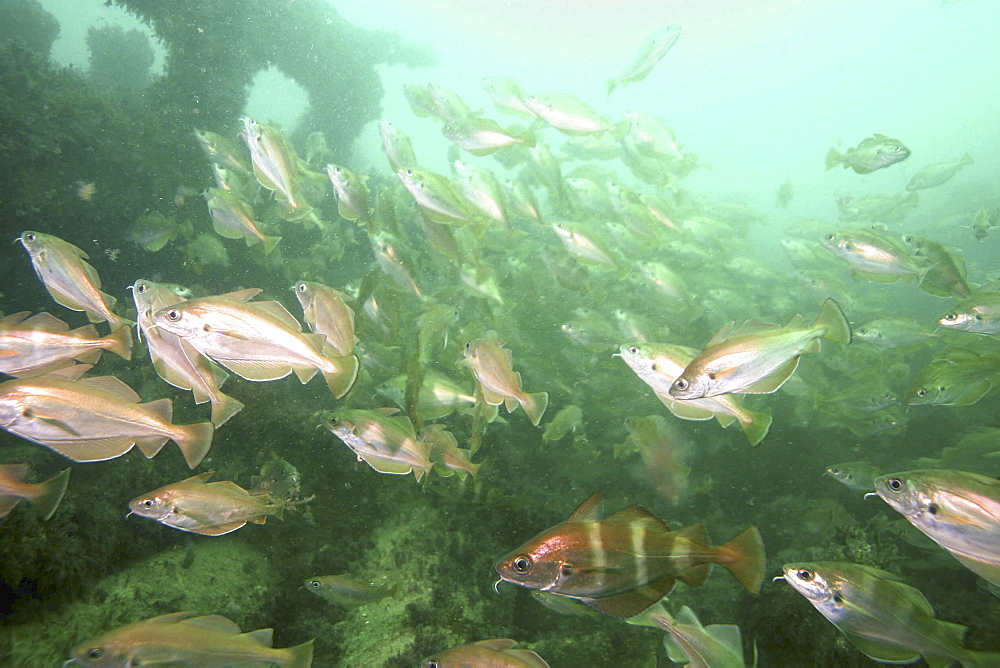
<point x="681" y="384"/>
<point x="431" y="664"/>
<point x="837" y="598"/>
<point x="921" y="392"/>
<point x="334" y="421"/>
<point x="314" y="584"/>
<point x="633" y="349"/>
<point x="141" y="288"/>
<point x="95" y="652"/>
<point x="932" y="508"/>
<point x="146" y="503"/>
<point x="829" y="237"/>
<point x="302" y="287"/>
<point x="521" y="565"/>
<point x="805" y="575"/>
<point x="30" y="236"/>
<point x="566" y="570"/>
<point x="895" y="484"/>
<point x="173" y="315"/>
<point x="835" y="470"/>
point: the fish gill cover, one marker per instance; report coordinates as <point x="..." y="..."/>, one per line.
<point x="500" y="249"/>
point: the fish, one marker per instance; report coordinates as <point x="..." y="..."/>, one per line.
<point x="435" y="196"/>
<point x="564" y="606"/>
<point x="956" y="377"/>
<point x="234" y="219"/>
<point x="353" y="196"/>
<point x="493" y="367"/>
<point x="187" y="639"/>
<point x="326" y="312"/>
<point x="658" y="365"/>
<point x="495" y="653"/>
<point x="274" y="163"/>
<point x="980" y="314"/>
<point x="221" y="151"/>
<point x="623" y="564"/>
<point x="885" y="618"/>
<point x="983" y="221"/>
<point x="176" y="361"/>
<point x="448" y="459"/>
<point x="257" y="341"/>
<point x="385" y="247"/>
<point x="94" y="419"/>
<point x="484" y="136"/>
<point x="946" y="273"/>
<point x="69" y="278"/>
<point x="567" y="114"/>
<point x="32" y="345"/>
<point x="45" y="496"/>
<point x="448" y="106"/>
<point x="875" y="152"/>
<point x="958" y="510"/>
<point x="688" y="643"/>
<point x="385" y="441"/>
<point x="937" y="174"/>
<point x="566" y="421"/>
<point x="153" y="231"/>
<point x="877" y="257"/>
<point x="784" y="194"/>
<point x="439" y="397"/>
<point x="891" y="333"/>
<point x="398" y="147"/>
<point x="663" y="449"/>
<point x="651" y="52"/>
<point x="207" y="508"/>
<point x="507" y="95"/>
<point x="584" y="242"/>
<point x="345" y="591"/>
<point x="856" y="475"/>
<point x="757" y="357"/>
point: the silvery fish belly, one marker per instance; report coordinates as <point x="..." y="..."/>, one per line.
<point x="258" y="341"/>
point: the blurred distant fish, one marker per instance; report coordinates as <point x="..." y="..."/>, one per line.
<point x="345" y="591"/>
<point x="153" y="231"/>
<point x="206" y="508"/>
<point x="30" y="346"/>
<point x="221" y="151"/>
<point x="398" y="147"/>
<point x="568" y="114"/>
<point x="493" y="366"/>
<point x="663" y="449"/>
<point x="876" y="152"/>
<point x="44" y="495"/>
<point x="856" y="475"/>
<point x="70" y="280"/>
<point x="956" y="377"/>
<point x="234" y="219"/>
<point x="889" y="333"/>
<point x="983" y="221"/>
<point x="935" y="175"/>
<point x="565" y="422"/>
<point x="447" y="457"/>
<point x="784" y="194"/>
<point x="651" y="52"/>
<point x="507" y="95"/>
<point x="352" y="193"/>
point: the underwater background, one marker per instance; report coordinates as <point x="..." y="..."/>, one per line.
<point x="98" y="106"/>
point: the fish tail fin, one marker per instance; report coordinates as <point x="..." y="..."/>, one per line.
<point x="745" y="559"/>
<point x="278" y="509"/>
<point x="225" y="408"/>
<point x="121" y="342"/>
<point x="833" y="158"/>
<point x="967" y="159"/>
<point x="612" y="84"/>
<point x="269" y="244"/>
<point x="300" y="656"/>
<point x="342" y="377"/>
<point x="50" y="493"/>
<point x="831" y="317"/>
<point x="755" y="425"/>
<point x="195" y="440"/>
<point x="535" y="405"/>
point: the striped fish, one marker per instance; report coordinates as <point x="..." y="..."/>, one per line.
<point x="623" y="564"/>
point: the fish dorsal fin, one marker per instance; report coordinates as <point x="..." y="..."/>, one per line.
<point x="261" y="636"/>
<point x="590" y="510"/>
<point x="776" y="379"/>
<point x="200" y="478"/>
<point x="687" y="617"/>
<point x="14" y="318"/>
<point x="231" y="486"/>
<point x="46" y="322"/>
<point x="85" y="332"/>
<point x="243" y="295"/>
<point x="722" y="334"/>
<point x="280" y="313"/>
<point x="70" y="372"/>
<point x="637" y="515"/>
<point x="216" y="623"/>
<point x="527" y="657"/>
<point x="170" y="618"/>
<point x="113" y="386"/>
<point x="797" y="322"/>
<point x="751" y="327"/>
<point x="497" y="644"/>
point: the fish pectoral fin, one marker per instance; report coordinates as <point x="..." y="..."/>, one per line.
<point x="883" y="652"/>
<point x="776" y="379"/>
<point x="231" y="333"/>
<point x="52" y="422"/>
<point x="632" y="602"/>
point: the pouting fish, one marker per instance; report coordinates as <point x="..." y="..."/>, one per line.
<point x="856" y="475"/>
<point x="385" y="441"/>
<point x="659" y="365"/>
<point x="757" y="357"/>
<point x="206" y="508"/>
<point x="94" y="419"/>
<point x="956" y="377"/>
<point x="935" y="175"/>
<point x="326" y="312"/>
<point x="258" y="341"/>
<point x="887" y="619"/>
<point x="958" y="510"/>
<point x="67" y="276"/>
<point x="345" y="591"/>
<point x="876" y="152"/>
<point x="175" y="360"/>
<point x="495" y="653"/>
<point x="625" y="563"/>
<point x="979" y="313"/>
<point x="44" y="495"/>
<point x="35" y="345"/>
<point x="187" y="639"/>
<point x="652" y="51"/>
<point x="688" y="643"/>
<point x="877" y="257"/>
<point x="493" y="366"/>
